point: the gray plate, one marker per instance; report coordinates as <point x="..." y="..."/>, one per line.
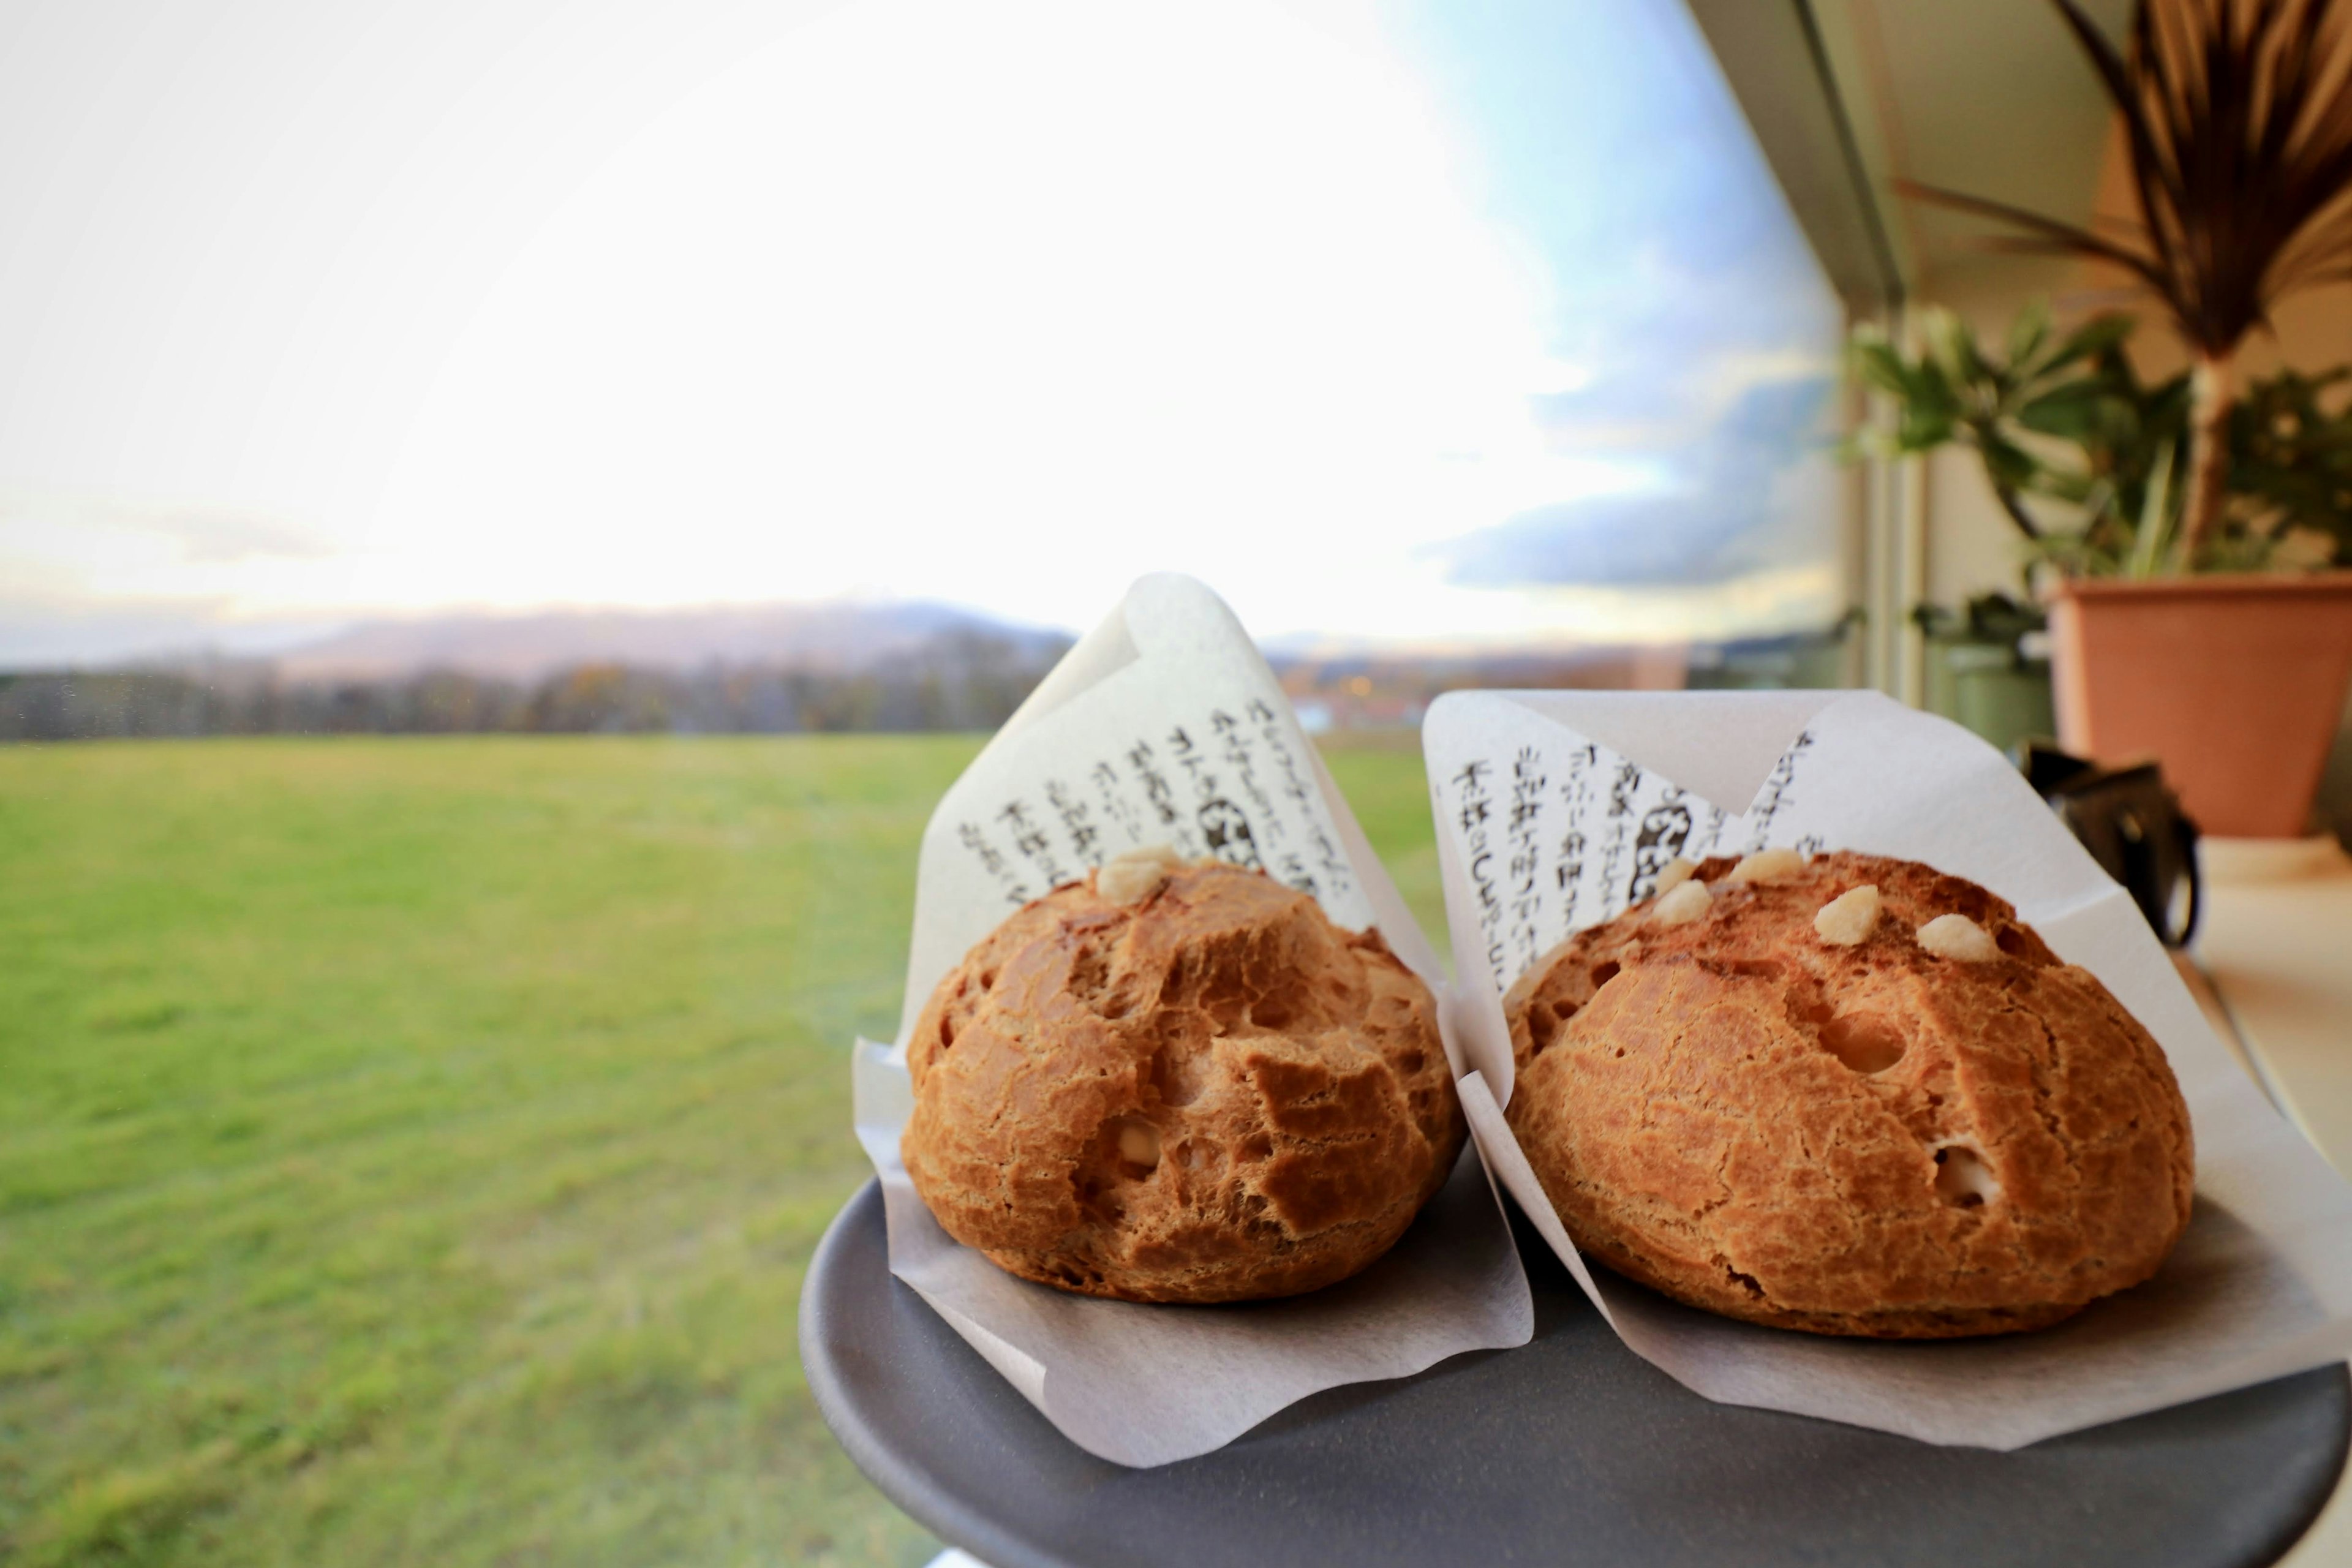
<point x="1571" y="1449"/>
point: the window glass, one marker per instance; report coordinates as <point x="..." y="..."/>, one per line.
<point x="1695" y="331"/>
<point x="1426" y="322"/>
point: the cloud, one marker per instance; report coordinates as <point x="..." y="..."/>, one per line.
<point x="40" y="631"/>
<point x="207" y="537"/>
<point x="82" y="579"/>
<point x="1749" y="496"/>
<point x="200" y="535"/>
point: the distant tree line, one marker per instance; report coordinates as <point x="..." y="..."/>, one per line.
<point x="956" y="681"/>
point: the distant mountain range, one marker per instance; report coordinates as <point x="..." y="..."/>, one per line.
<point x="838" y="636"/>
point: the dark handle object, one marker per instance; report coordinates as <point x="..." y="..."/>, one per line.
<point x="2132" y="824"/>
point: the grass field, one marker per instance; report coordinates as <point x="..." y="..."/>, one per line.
<point x="410" y="1150"/>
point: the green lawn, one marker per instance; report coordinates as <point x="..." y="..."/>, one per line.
<point x="410" y="1150"/>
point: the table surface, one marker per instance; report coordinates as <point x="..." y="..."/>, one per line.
<point x="2279" y="953"/>
<point x="2271" y="966"/>
<point x="1569" y="1448"/>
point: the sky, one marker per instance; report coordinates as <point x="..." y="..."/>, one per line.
<point x="1392" y="321"/>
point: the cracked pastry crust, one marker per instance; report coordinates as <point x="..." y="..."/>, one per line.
<point x="1758" y="1117"/>
<point x="1211" y="1094"/>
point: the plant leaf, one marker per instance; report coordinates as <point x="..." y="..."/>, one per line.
<point x="2093" y="337"/>
<point x="2009" y="463"/>
<point x="2066" y="237"/>
<point x="2026" y="333"/>
<point x="2077" y="411"/>
<point x="2154" y="519"/>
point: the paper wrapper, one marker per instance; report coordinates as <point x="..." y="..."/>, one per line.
<point x="1556" y="811"/>
<point x="1164" y="726"/>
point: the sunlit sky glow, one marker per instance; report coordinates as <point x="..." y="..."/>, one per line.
<point x="1387" y="325"/>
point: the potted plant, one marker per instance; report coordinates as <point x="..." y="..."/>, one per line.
<point x="2190" y="613"/>
<point x="1988" y="668"/>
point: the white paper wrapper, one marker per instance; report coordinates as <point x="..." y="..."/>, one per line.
<point x="1164" y="726"/>
<point x="1554" y="811"/>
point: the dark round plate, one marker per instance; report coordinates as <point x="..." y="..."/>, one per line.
<point x="1570" y="1449"/>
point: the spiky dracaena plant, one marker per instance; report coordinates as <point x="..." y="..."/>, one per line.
<point x="2238" y="115"/>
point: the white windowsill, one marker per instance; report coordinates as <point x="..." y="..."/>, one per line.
<point x="2276" y="941"/>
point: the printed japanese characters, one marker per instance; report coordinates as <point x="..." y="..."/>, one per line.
<point x="1177" y="1080"/>
<point x="1843" y="1094"/>
<point x="1552" y="845"/>
<point x="1229" y="785"/>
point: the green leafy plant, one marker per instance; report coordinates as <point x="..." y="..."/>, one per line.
<point x="2291" y="462"/>
<point x="2240" y="134"/>
<point x="2087" y="458"/>
<point x="1994" y="619"/>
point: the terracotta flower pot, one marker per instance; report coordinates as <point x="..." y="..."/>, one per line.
<point x="2233" y="683"/>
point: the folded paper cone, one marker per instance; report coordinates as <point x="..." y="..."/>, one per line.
<point x="1559" y="810"/>
<point x="1164" y="725"/>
